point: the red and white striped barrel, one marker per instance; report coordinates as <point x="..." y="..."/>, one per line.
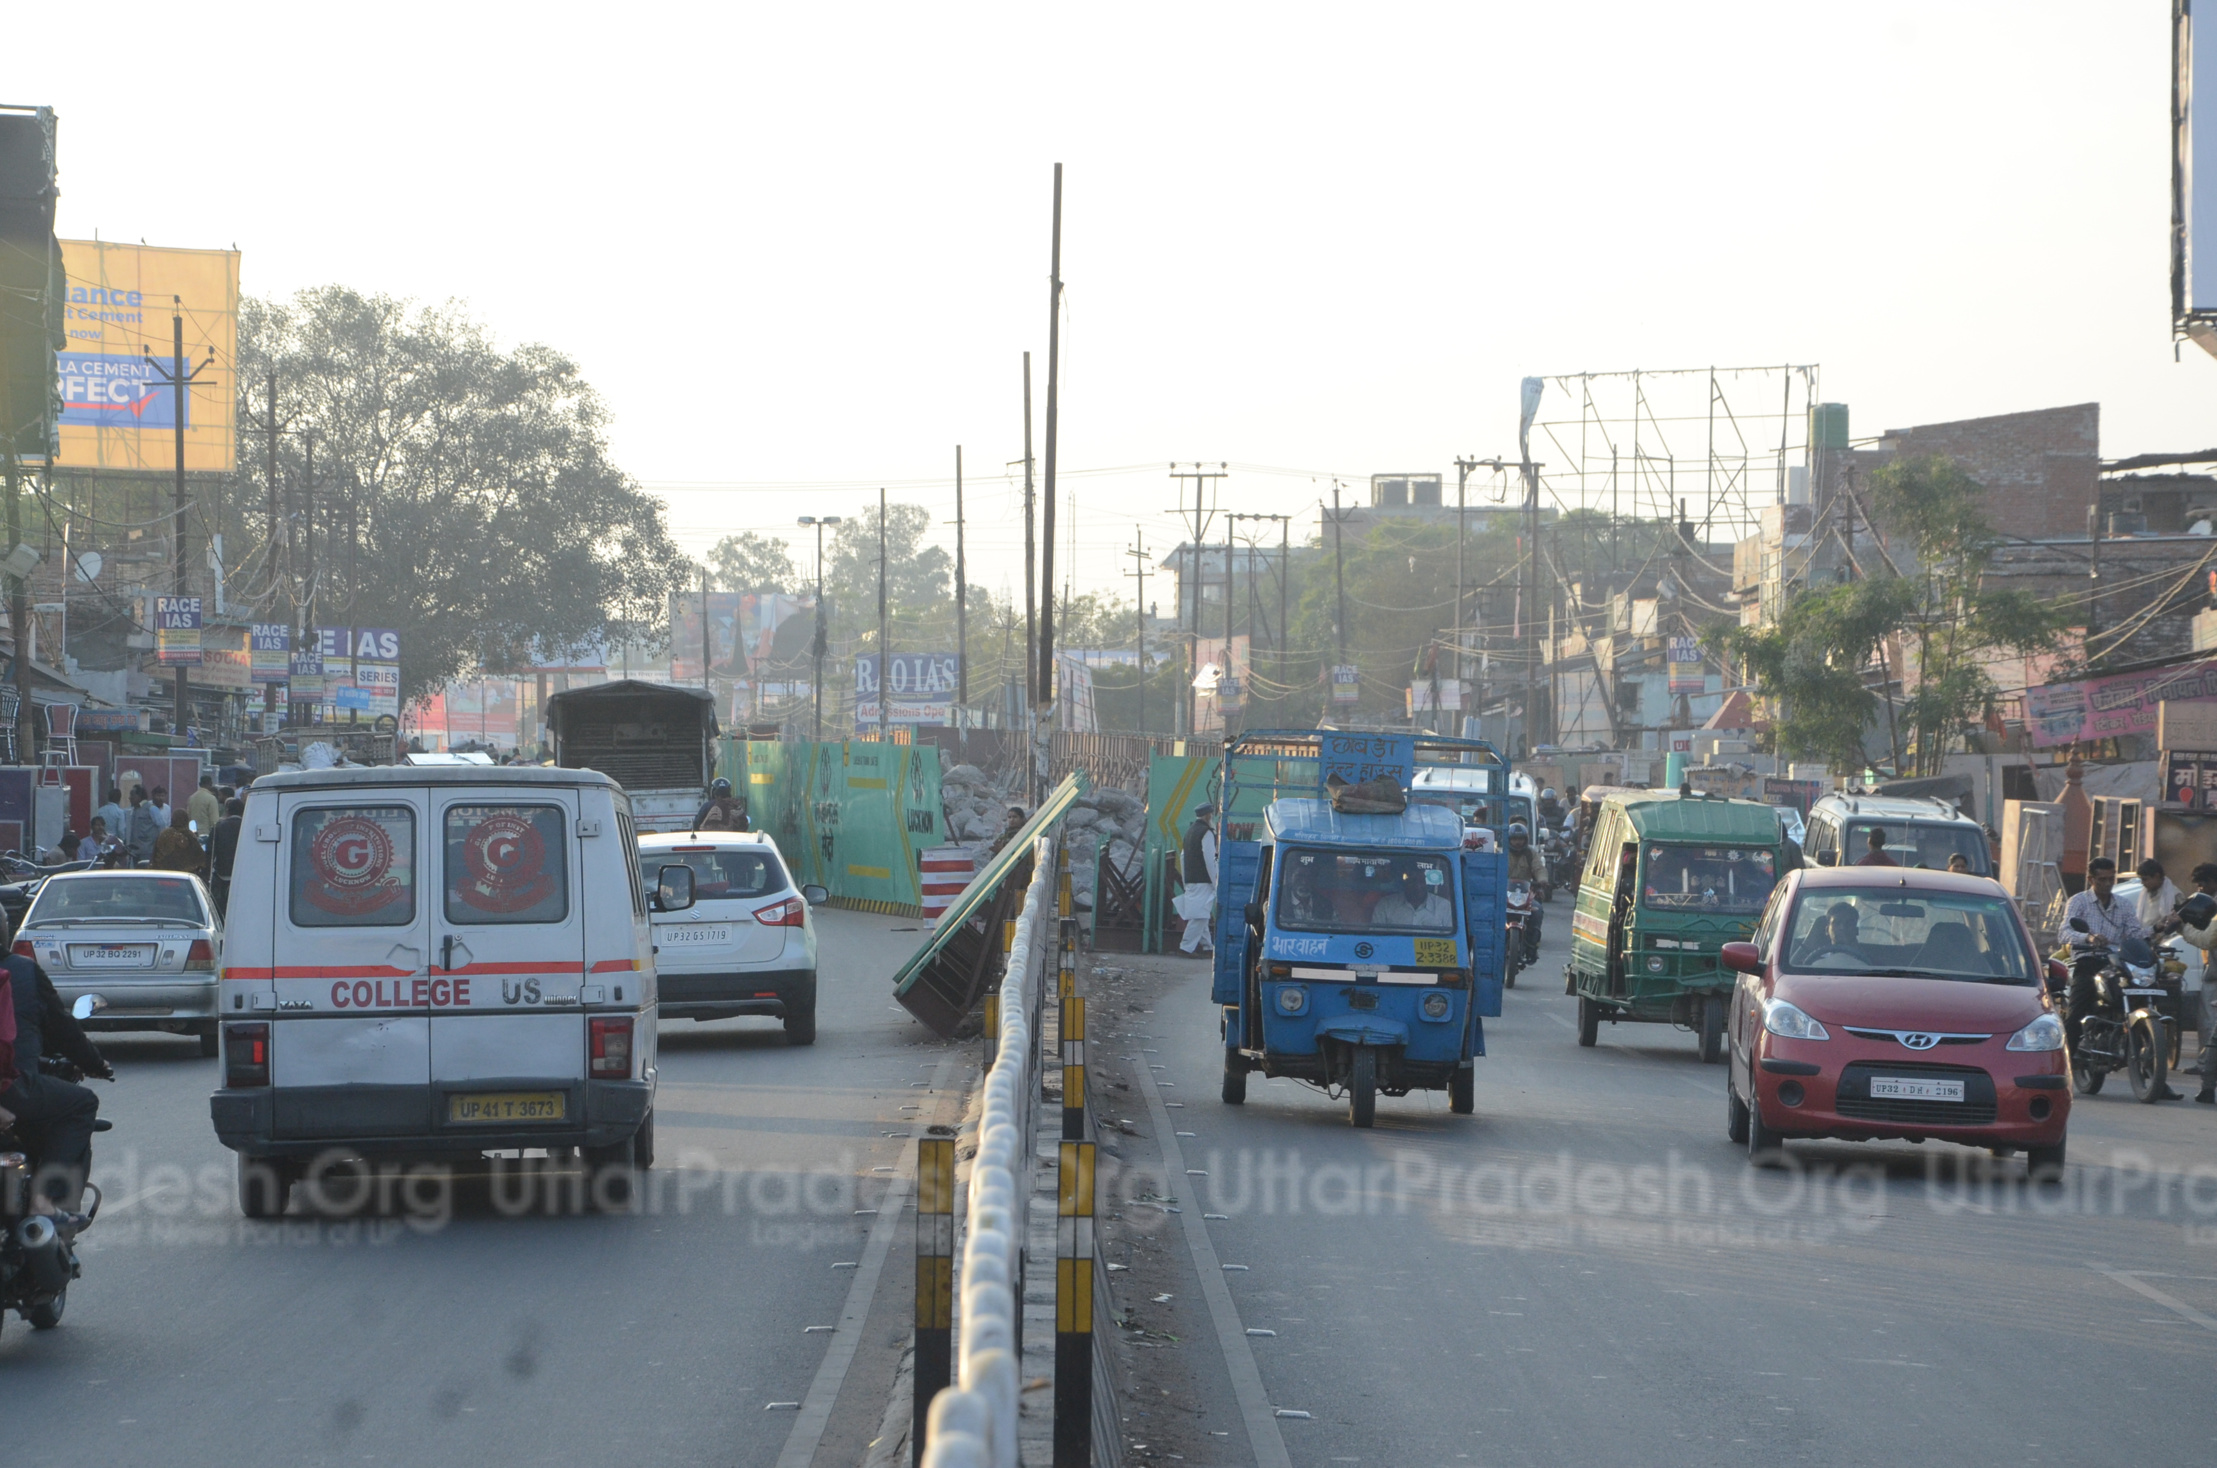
<point x="944" y="871"/>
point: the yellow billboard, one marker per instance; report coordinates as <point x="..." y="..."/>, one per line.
<point x="118" y="410"/>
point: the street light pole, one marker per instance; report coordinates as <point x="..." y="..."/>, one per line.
<point x="819" y="522"/>
<point x="178" y="380"/>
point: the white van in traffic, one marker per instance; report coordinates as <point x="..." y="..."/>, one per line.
<point x="437" y="962"/>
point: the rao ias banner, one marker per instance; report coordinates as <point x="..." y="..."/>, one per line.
<point x="119" y="314"/>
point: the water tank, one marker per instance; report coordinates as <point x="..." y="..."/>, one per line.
<point x="1828" y="426"/>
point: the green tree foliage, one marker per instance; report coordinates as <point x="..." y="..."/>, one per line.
<point x="1929" y="595"/>
<point x="463" y="495"/>
<point x="751" y="561"/>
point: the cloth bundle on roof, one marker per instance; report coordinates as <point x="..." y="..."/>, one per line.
<point x="1381" y="795"/>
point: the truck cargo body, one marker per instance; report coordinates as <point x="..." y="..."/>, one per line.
<point x="657" y="740"/>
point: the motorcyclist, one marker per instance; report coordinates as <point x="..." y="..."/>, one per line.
<point x="1551" y="808"/>
<point x="721" y="799"/>
<point x="2110" y="926"/>
<point x="1525" y="866"/>
<point x="52" y="1116"/>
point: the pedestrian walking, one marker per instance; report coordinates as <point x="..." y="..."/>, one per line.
<point x="223" y="850"/>
<point x="1198" y="871"/>
<point x="140" y="827"/>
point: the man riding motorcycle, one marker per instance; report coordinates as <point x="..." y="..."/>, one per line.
<point x="2108" y="925"/>
<point x="1525" y="866"/>
<point x="1551" y="808"/>
<point x="52" y="1117"/>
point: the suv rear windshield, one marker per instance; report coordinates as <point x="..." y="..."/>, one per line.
<point x="1896" y="930"/>
<point x="721" y="875"/>
<point x="1707" y="878"/>
<point x="156" y="903"/>
<point x="1920" y="846"/>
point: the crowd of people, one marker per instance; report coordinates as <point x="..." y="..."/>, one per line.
<point x="198" y="835"/>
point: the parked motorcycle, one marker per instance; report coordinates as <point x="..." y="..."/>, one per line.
<point x="1517" y="912"/>
<point x="37" y="1261"/>
<point x="2128" y="1029"/>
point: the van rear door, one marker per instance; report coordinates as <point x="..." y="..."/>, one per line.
<point x="509" y="937"/>
<point x="351" y="1052"/>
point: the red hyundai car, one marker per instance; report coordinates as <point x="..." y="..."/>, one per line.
<point x="1895" y="1003"/>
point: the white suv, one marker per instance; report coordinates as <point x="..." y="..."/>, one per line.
<point x="747" y="945"/>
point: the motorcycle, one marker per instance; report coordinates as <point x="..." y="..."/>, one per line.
<point x="37" y="1261"/>
<point x="2128" y="1029"/>
<point x="1517" y="912"/>
<point x="1562" y="867"/>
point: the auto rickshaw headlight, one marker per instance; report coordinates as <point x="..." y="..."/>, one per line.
<point x="1436" y="1006"/>
<point x="1655" y="965"/>
<point x="1292" y="999"/>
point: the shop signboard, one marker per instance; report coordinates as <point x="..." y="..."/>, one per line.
<point x="1346" y="683"/>
<point x="177" y="630"/>
<point x="271" y="647"/>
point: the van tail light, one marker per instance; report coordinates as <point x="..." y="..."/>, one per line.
<point x="23" y="949"/>
<point x="201" y="957"/>
<point x="611" y="1047"/>
<point x="246" y="1054"/>
<point x="786" y="914"/>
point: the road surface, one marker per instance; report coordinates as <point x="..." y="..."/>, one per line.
<point x="431" y="1334"/>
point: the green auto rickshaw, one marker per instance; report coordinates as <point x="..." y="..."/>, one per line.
<point x="1670" y="878"/>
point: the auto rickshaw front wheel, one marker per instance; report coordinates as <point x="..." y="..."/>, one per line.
<point x="1362" y="1087"/>
<point x="1589" y="1021"/>
<point x="1712" y="1029"/>
<point x="1462" y="1091"/>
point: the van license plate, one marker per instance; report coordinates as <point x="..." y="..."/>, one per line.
<point x="694" y="933"/>
<point x="1902" y="1088"/>
<point x="508" y="1106"/>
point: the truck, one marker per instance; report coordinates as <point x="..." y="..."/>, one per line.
<point x="656" y="740"/>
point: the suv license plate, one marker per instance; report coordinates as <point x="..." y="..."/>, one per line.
<point x="508" y="1106"/>
<point x="694" y="933"/>
<point x="1902" y="1088"/>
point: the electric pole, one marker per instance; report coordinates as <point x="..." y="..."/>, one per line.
<point x="1339" y="576"/>
<point x="1278" y="640"/>
<point x="1462" y="482"/>
<point x="962" y="599"/>
<point x="819" y="640"/>
<point x="1046" y="670"/>
<point x="885" y="636"/>
<point x="1138" y="553"/>
<point x="1192" y="629"/>
<point x="1031" y="571"/>
<point x="179" y="381"/>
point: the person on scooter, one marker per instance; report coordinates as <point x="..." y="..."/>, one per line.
<point x="1551" y="808"/>
<point x="1525" y="866"/>
<point x="52" y="1116"/>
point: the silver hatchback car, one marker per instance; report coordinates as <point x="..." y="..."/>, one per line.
<point x="147" y="942"/>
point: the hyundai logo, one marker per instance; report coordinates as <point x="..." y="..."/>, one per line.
<point x="1918" y="1042"/>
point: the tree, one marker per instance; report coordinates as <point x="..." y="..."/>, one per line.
<point x="1931" y="599"/>
<point x="462" y="495"/>
<point x="750" y="561"/>
<point x="919" y="583"/>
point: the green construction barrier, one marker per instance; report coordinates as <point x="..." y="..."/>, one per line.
<point x="852" y="817"/>
<point x="1175" y="785"/>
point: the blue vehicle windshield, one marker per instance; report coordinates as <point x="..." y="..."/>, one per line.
<point x="1324" y="891"/>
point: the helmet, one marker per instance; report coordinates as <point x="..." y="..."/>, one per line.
<point x="2199" y="910"/>
<point x="719" y="786"/>
<point x="1517" y="831"/>
<point x="1548" y="793"/>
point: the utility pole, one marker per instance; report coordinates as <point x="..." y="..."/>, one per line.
<point x="1278" y="641"/>
<point x="19" y="607"/>
<point x="962" y="599"/>
<point x="178" y="380"/>
<point x="1046" y="670"/>
<point x="1339" y="572"/>
<point x="1138" y="553"/>
<point x="1225" y="683"/>
<point x="1031" y="570"/>
<point x="885" y="636"/>
<point x="819" y="521"/>
<point x="1192" y="629"/>
<point x="1462" y="483"/>
<point x="706" y="686"/>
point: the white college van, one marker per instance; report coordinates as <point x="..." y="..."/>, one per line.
<point x="436" y="962"/>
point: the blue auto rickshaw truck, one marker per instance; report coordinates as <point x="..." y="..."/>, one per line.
<point x="1357" y="952"/>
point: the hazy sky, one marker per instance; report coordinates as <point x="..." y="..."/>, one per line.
<point x="800" y="249"/>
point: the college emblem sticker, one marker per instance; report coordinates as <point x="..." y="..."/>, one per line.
<point x="503" y="866"/>
<point x="350" y="862"/>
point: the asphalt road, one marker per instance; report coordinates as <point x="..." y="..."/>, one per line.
<point x="1588" y="1272"/>
<point x="434" y="1333"/>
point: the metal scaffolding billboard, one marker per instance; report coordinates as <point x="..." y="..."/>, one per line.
<point x="121" y="304"/>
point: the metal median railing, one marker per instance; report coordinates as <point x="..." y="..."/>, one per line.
<point x="973" y="1422"/>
